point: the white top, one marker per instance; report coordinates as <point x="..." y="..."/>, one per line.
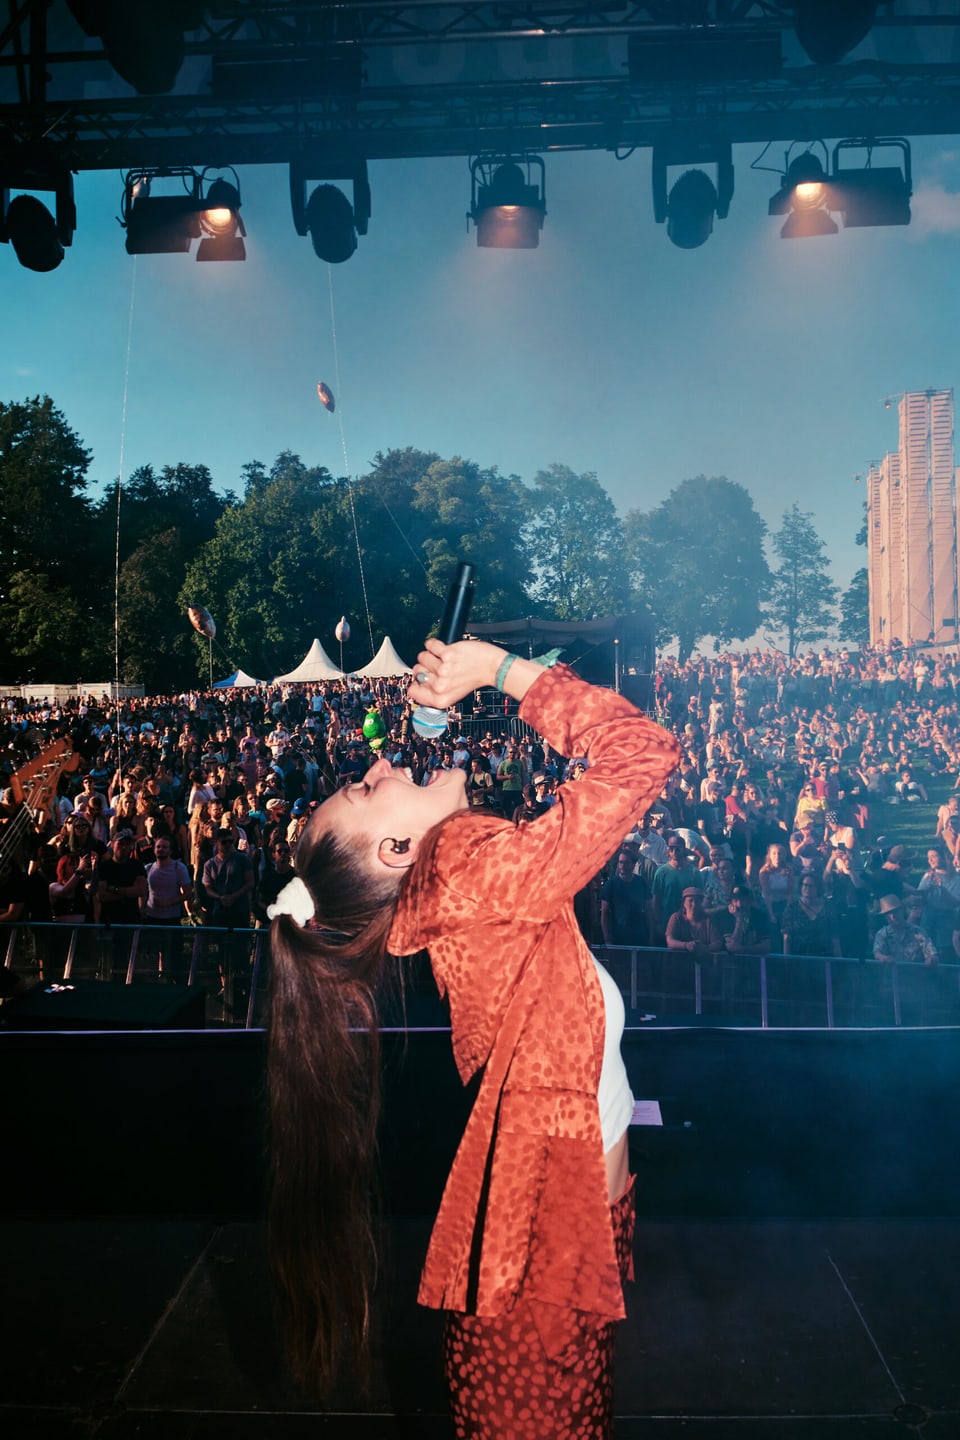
<point x="614" y="1095"/>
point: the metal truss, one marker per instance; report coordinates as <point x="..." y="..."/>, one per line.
<point x="359" y="107"/>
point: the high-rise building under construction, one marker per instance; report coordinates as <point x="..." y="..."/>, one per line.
<point x="912" y="527"/>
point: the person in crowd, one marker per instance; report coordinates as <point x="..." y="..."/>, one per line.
<point x="939" y="893"/>
<point x="480" y="784"/>
<point x="510" y="780"/>
<point x="778" y="882"/>
<point x="70" y="900"/>
<point x="850" y="896"/>
<point x="809" y="925"/>
<point x="745" y="926"/>
<point x="718" y="887"/>
<point x="388" y="868"/>
<point x="900" y="941"/>
<point x="669" y="883"/>
<point x="623" y="905"/>
<point x="227" y="885"/>
<point x="169" y="887"/>
<point x="121" y="882"/>
<point x="690" y="928"/>
<point x="277" y="874"/>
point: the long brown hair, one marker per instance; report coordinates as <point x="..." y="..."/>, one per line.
<point x="323" y="1089"/>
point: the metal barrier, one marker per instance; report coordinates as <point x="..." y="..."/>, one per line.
<point x="767" y="991"/>
<point x="784" y="991"/>
<point x="228" y="964"/>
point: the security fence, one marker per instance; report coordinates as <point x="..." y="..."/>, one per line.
<point x="232" y="969"/>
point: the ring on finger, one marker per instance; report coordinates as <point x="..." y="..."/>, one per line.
<point x="422" y="676"/>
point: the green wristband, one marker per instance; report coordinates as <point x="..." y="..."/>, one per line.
<point x="505" y="664"/>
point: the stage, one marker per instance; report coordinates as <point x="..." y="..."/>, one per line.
<point x="797" y="1253"/>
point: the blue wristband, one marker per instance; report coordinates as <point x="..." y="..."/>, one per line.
<point x="504" y="667"/>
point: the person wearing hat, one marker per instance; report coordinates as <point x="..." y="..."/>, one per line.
<point x="121" y="882"/>
<point x="745" y="926"/>
<point x="278" y="818"/>
<point x="668" y="885"/>
<point x="900" y="941"/>
<point x="227" y="884"/>
<point x="299" y="815"/>
<point x="690" y="929"/>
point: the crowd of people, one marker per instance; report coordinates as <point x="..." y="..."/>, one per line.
<point x="776" y="832"/>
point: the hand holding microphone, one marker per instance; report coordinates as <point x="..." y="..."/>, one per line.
<point x="430" y="722"/>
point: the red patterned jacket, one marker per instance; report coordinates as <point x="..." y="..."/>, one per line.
<point x="525" y="1209"/>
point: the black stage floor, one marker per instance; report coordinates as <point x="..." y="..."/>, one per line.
<point x="797" y="1253"/>
<point x="753" y="1330"/>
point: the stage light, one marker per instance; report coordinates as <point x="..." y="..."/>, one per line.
<point x="872" y="195"/>
<point x="38" y="237"/>
<point x="830" y="29"/>
<point x="221" y="223"/>
<point x="332" y="223"/>
<point x="507" y="209"/>
<point x="694" y="200"/>
<point x="866" y="195"/>
<point x="166" y="224"/>
<point x="143" y="39"/>
<point x="804" y="197"/>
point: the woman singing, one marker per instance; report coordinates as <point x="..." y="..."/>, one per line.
<point x="533" y="1239"/>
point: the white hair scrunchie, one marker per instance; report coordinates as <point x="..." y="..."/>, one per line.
<point x="294" y="900"/>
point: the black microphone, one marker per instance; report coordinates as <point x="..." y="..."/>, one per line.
<point x="429" y="722"/>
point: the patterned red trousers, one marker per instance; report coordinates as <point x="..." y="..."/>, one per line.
<point x="539" y="1373"/>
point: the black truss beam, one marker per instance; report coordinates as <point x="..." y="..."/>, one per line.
<point x="384" y="121"/>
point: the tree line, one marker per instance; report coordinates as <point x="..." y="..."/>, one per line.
<point x="86" y="581"/>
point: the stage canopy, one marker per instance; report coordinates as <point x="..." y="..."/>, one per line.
<point x="315" y="665"/>
<point x="239" y="680"/>
<point x="384" y="664"/>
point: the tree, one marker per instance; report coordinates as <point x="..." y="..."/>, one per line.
<point x="156" y="644"/>
<point x="47" y="535"/>
<point x="576" y="544"/>
<point x="803" y="593"/>
<point x="698" y="562"/>
<point x="855" y="610"/>
<point x="50" y="633"/>
<point x="261" y="575"/>
<point x="475" y="515"/>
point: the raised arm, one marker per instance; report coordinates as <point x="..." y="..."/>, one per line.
<point x="551" y="858"/>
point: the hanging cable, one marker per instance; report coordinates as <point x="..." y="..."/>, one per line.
<point x="346" y="462"/>
<point x="116" y="559"/>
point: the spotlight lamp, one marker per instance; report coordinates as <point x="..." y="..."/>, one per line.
<point x="507" y="206"/>
<point x="803" y="198"/>
<point x="220" y="223"/>
<point x="864" y="195"/>
<point x="694" y="200"/>
<point x="328" y="217"/>
<point x="166" y="224"/>
<point x="38" y="238"/>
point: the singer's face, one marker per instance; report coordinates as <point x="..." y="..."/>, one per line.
<point x="387" y="804"/>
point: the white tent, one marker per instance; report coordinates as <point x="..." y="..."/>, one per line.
<point x="385" y="663"/>
<point x="315" y="665"/>
<point x="239" y="680"/>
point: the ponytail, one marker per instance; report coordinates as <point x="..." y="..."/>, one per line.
<point x="323" y="1089"/>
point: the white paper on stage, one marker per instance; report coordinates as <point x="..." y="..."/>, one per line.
<point x="646" y="1112"/>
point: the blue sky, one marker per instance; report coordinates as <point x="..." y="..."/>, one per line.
<point x="606" y="349"/>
